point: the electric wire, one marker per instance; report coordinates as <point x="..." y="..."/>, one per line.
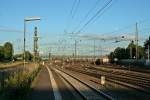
<point x="72" y="13"/>
<point x="93" y="17"/>
<point x="87" y="15"/>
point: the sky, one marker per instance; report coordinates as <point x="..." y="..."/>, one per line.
<point x="58" y="18"/>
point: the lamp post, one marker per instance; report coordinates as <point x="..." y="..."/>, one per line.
<point x="27" y="20"/>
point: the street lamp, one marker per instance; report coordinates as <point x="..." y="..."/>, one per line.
<point x="27" y="20"/>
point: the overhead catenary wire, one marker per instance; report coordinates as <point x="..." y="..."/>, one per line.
<point x="101" y="14"/>
<point x="14" y="30"/>
<point x="129" y="26"/>
<point x="109" y="6"/>
<point x="87" y="14"/>
<point x="75" y="8"/>
<point x="11" y="30"/>
<point x="72" y="14"/>
<point x="95" y="15"/>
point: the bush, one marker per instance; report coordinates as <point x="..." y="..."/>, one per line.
<point x="28" y="56"/>
<point x="17" y="86"/>
<point x="8" y="51"/>
<point x="1" y="53"/>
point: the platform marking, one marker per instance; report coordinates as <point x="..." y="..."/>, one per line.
<point x="56" y="92"/>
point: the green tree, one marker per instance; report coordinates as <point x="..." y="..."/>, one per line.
<point x="141" y="52"/>
<point x="28" y="56"/>
<point x="146" y="44"/>
<point x="8" y="51"/>
<point x="1" y="53"/>
<point x="121" y="53"/>
<point x="111" y="57"/>
<point x="132" y="46"/>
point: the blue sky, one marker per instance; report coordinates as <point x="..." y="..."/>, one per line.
<point x="55" y="18"/>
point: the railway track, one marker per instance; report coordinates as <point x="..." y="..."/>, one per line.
<point x="131" y="68"/>
<point x="133" y="80"/>
<point x="131" y="75"/>
<point x="85" y="90"/>
<point x="140" y="80"/>
<point x="123" y="70"/>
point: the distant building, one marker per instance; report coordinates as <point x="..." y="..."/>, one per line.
<point x="147" y="48"/>
<point x="105" y="59"/>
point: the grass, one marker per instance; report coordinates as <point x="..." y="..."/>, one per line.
<point x="18" y="86"/>
<point x="10" y="64"/>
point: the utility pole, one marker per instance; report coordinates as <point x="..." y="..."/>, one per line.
<point x="75" y="47"/>
<point x="136" y="39"/>
<point x="35" y="50"/>
<point x="94" y="49"/>
<point x="130" y="52"/>
<point x="131" y="55"/>
<point x="24" y="44"/>
<point x="148" y="52"/>
<point x="100" y="50"/>
<point x="49" y="56"/>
